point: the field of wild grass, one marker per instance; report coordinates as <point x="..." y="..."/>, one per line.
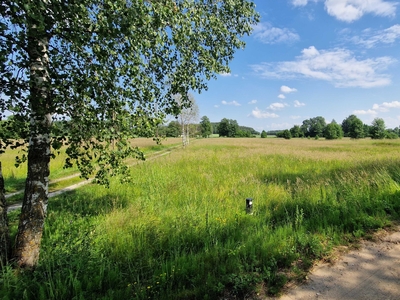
<point x="15" y="176"/>
<point x="180" y="230"/>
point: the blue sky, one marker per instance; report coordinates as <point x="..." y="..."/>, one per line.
<point x="309" y="58"/>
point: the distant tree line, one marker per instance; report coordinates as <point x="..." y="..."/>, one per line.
<point x="351" y="127"/>
<point x="182" y="125"/>
<point x="224" y="128"/>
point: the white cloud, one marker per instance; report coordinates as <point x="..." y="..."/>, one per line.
<point x="299" y="2"/>
<point x="216" y="106"/>
<point x="384" y="107"/>
<point x="310" y="52"/>
<point x="225" y="74"/>
<point x="256" y="113"/>
<point x="277" y="106"/>
<point x="297" y="103"/>
<point x="234" y="103"/>
<point x="338" y="66"/>
<point x="371" y="38"/>
<point x="253" y="102"/>
<point x="281" y="96"/>
<point x="365" y="112"/>
<point x="285" y="89"/>
<point x="351" y="10"/>
<point x="265" y="33"/>
<point x="393" y="104"/>
<point x="295" y="117"/>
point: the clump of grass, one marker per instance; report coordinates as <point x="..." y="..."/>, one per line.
<point x="180" y="231"/>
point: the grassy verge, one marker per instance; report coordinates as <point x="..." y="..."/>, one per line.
<point x="15" y="176"/>
<point x="180" y="231"/>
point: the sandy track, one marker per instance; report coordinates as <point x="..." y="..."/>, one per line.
<point x="370" y="273"/>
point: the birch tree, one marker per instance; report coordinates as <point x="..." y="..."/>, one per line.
<point x="188" y="114"/>
<point x="101" y="67"/>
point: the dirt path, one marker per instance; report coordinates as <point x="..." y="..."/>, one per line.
<point x="370" y="273"/>
<point x="16" y="206"/>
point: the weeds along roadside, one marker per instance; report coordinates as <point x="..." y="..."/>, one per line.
<point x="180" y="231"/>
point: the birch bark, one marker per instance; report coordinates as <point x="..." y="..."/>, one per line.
<point x="34" y="205"/>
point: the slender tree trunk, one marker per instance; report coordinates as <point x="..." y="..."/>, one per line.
<point x="4" y="231"/>
<point x="183" y="136"/>
<point x="183" y="132"/>
<point x="187" y="134"/>
<point x="34" y="205"/>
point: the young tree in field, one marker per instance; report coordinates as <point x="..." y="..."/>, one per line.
<point x="333" y="131"/>
<point x="378" y="129"/>
<point x="187" y="116"/>
<point x="103" y="67"/>
<point x="205" y="127"/>
<point x="317" y="126"/>
<point x="264" y="134"/>
<point x="353" y="127"/>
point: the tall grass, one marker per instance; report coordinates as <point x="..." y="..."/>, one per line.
<point x="15" y="176"/>
<point x="180" y="230"/>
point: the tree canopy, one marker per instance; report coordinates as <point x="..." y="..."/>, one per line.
<point x="205" y="127"/>
<point x="313" y="127"/>
<point x="104" y="67"/>
<point x="228" y="127"/>
<point x="377" y="129"/>
<point x="333" y="131"/>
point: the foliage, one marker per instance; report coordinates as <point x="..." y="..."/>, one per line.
<point x="296" y="131"/>
<point x="333" y="131"/>
<point x="250" y="130"/>
<point x="264" y="134"/>
<point x="243" y="133"/>
<point x="173" y="129"/>
<point x="377" y="130"/>
<point x="13" y="128"/>
<point x="205" y="127"/>
<point x="104" y="68"/>
<point x="313" y="127"/>
<point x="353" y="127"/>
<point x="286" y="134"/>
<point x="392" y="133"/>
<point x="114" y="66"/>
<point x="228" y="127"/>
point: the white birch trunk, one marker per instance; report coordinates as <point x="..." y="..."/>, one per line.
<point x="34" y="206"/>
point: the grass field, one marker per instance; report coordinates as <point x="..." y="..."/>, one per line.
<point x="15" y="176"/>
<point x="181" y="231"/>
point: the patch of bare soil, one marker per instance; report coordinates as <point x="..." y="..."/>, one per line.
<point x="371" y="272"/>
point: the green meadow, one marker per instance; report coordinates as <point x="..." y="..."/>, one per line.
<point x="180" y="230"/>
<point x="60" y="176"/>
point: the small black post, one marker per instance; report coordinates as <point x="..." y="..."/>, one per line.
<point x="249" y="206"/>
